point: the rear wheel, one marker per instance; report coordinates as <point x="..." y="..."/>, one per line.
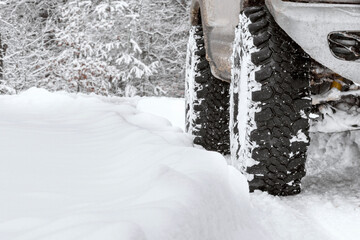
<point x="269" y="105"/>
<point x="207" y="99"/>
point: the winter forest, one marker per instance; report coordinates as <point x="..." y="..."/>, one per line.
<point x="107" y="47"/>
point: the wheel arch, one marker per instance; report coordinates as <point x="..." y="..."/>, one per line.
<point x="195" y="12"/>
<point x="198" y="6"/>
<point x="219" y="19"/>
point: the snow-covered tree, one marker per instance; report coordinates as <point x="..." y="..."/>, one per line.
<point x="25" y="27"/>
<point x="162" y="31"/>
<point x="97" y="51"/>
<point x="123" y="47"/>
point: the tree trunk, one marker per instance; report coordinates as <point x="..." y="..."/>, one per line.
<point x="1" y="59"/>
<point x="2" y="54"/>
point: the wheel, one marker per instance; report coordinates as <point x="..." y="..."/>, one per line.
<point x="269" y="105"/>
<point x="206" y="99"/>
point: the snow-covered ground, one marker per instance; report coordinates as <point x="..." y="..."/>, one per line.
<point x="94" y="168"/>
<point x="329" y="206"/>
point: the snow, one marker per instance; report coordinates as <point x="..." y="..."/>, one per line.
<point x="87" y="167"/>
<point x="329" y="206"/>
<point x="190" y="84"/>
<point x="169" y="108"/>
<point x="95" y="168"/>
<point x="332" y="95"/>
<point x="300" y="137"/>
<point x="339" y="119"/>
<point x="336" y="120"/>
<point x="247" y="106"/>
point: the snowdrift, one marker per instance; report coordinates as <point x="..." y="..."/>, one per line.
<point x="87" y="167"/>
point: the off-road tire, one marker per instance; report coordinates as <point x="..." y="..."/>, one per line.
<point x="269" y="105"/>
<point x="206" y="98"/>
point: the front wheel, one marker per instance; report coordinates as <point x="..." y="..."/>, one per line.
<point x="269" y="105"/>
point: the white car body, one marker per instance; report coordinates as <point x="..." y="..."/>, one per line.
<point x="308" y="23"/>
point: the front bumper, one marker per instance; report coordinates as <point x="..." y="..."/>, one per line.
<point x="309" y="25"/>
